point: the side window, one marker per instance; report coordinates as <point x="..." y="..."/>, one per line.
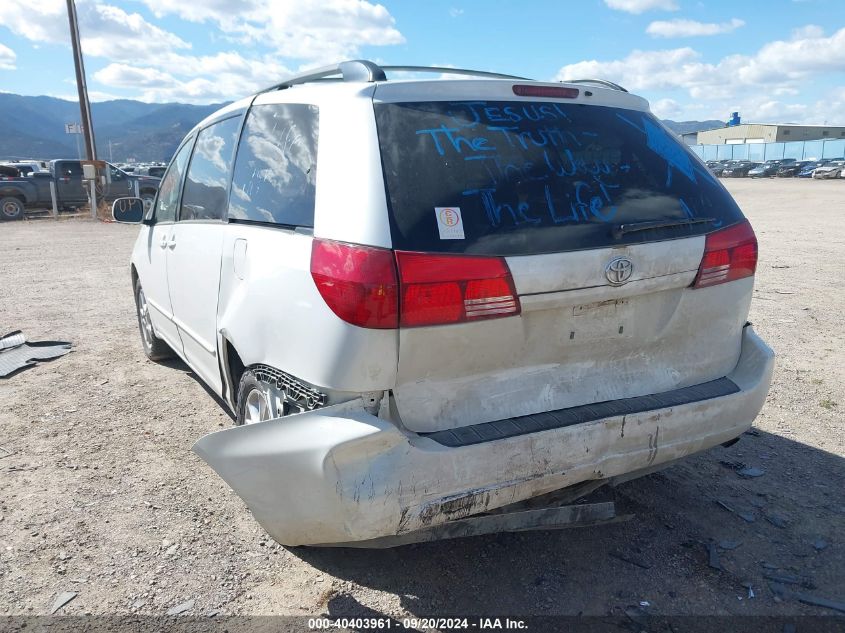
<point x="116" y="174"/>
<point x="276" y="167"/>
<point x="168" y="191"/>
<point x="207" y="184"/>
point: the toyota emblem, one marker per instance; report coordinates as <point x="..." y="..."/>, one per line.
<point x="619" y="270"/>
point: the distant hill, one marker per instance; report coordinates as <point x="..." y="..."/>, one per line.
<point x="34" y="127"/>
<point x="685" y="127"/>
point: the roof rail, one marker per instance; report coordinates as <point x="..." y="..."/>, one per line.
<point x="598" y="82"/>
<point x="367" y="71"/>
<point x="453" y="71"/>
<point x="353" y="70"/>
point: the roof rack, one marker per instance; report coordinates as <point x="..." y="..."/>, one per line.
<point x="367" y="71"/>
<point x="353" y="70"/>
<point x="598" y="82"/>
<point x="453" y="71"/>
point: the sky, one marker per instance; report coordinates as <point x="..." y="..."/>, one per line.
<point x="773" y="61"/>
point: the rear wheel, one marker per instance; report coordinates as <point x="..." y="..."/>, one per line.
<point x="154" y="347"/>
<point x="11" y="208"/>
<point x="258" y="400"/>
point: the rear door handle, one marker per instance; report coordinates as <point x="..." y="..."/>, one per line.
<point x="172" y="243"/>
<point x="163" y="242"/>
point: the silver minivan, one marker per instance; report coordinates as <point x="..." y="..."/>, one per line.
<point x="428" y="299"/>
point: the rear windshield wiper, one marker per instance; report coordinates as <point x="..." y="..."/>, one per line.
<point x="620" y="229"/>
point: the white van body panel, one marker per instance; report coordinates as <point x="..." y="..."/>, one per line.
<point x="351" y="471"/>
<point x="271" y="312"/>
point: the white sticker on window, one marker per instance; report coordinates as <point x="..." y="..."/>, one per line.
<point x="449" y="223"/>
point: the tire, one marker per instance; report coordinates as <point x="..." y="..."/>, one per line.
<point x="11" y="208"/>
<point x="154" y="348"/>
<point x="258" y="401"/>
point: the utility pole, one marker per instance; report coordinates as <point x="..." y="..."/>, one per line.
<point x="81" y="85"/>
<point x="84" y="104"/>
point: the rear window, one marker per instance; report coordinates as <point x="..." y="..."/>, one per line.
<point x="521" y="178"/>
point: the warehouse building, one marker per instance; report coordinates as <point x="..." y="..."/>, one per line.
<point x="768" y="133"/>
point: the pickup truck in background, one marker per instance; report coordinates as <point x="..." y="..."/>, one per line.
<point x="32" y="191"/>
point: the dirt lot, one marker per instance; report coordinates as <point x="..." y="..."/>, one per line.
<point x="101" y="495"/>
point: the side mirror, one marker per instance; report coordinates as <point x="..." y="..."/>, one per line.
<point x="128" y="210"/>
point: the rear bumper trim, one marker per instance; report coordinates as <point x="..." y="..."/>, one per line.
<point x="513" y="427"/>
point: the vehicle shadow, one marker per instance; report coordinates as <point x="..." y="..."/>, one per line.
<point x="760" y="518"/>
<point x="179" y="365"/>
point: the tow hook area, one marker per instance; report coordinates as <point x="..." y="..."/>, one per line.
<point x="372" y="401"/>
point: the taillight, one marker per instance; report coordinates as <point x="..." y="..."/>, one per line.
<point x="438" y="289"/>
<point x="729" y="254"/>
<point x="358" y="283"/>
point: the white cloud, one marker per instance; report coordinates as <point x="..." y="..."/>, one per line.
<point x="641" y="6"/>
<point x="644" y="70"/>
<point x="779" y="63"/>
<point x="756" y="84"/>
<point x="455" y="12"/>
<point x="308" y="29"/>
<point x="153" y="64"/>
<point x="124" y="76"/>
<point x="105" y="30"/>
<point x="666" y="108"/>
<point x="225" y="76"/>
<point x="43" y="21"/>
<point x="691" y="28"/>
<point x="7" y="58"/>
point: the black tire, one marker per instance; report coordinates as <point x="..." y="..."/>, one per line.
<point x="154" y="348"/>
<point x="11" y="208"/>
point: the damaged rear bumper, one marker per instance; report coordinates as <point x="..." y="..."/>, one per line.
<point x="340" y="475"/>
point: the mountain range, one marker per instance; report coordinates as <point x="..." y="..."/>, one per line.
<point x="125" y="130"/>
<point x="34" y="127"/>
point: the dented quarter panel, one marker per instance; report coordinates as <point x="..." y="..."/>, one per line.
<point x="302" y="336"/>
<point x="338" y="474"/>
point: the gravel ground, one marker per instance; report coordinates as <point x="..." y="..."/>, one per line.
<point x="101" y="495"/>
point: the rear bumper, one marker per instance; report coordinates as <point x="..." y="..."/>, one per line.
<point x="339" y="475"/>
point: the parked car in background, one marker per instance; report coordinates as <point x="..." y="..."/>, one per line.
<point x="156" y="171"/>
<point x="25" y="167"/>
<point x="32" y="191"/>
<point x="739" y="169"/>
<point x="810" y="167"/>
<point x="833" y="169"/>
<point x="790" y="170"/>
<point x="721" y="165"/>
<point x="769" y="168"/>
<point x="407" y="338"/>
